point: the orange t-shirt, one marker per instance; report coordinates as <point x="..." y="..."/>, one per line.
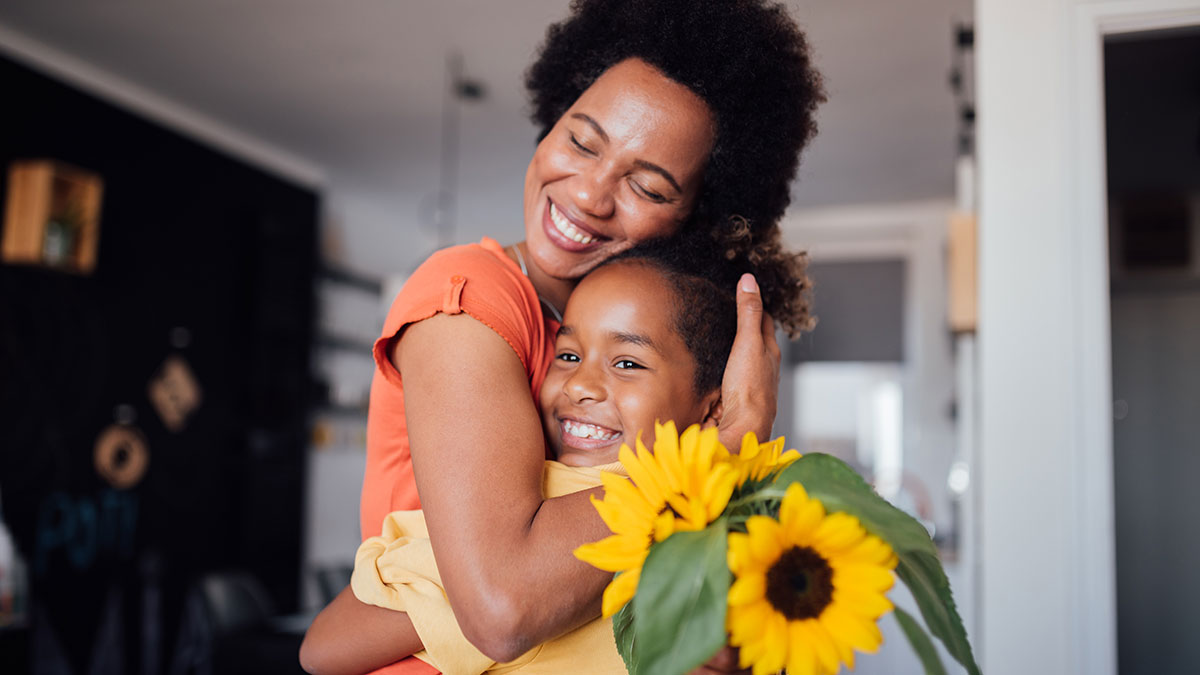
<point x="482" y="281"/>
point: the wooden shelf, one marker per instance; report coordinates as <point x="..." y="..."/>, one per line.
<point x="52" y="216"/>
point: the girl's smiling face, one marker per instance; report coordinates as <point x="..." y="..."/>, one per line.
<point x="622" y="166"/>
<point x="618" y="367"/>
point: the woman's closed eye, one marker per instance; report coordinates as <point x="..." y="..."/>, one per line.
<point x="580" y="146"/>
<point x="647" y="193"/>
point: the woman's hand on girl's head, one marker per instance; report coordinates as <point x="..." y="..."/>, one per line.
<point x="749" y="390"/>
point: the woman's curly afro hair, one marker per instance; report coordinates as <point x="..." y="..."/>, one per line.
<point x="750" y="63"/>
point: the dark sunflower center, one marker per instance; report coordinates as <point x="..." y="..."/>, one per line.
<point x="800" y="584"/>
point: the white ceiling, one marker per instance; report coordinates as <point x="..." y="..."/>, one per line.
<point x="356" y="87"/>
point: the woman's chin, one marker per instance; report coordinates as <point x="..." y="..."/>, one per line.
<point x="563" y="265"/>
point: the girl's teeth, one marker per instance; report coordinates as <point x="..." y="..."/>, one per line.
<point x="567" y="229"/>
<point x="590" y="431"/>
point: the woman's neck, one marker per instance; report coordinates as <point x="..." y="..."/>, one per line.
<point x="550" y="290"/>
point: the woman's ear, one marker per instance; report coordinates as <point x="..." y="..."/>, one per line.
<point x="712" y="410"/>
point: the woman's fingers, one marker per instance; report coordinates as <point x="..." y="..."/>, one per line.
<point x="750" y="309"/>
<point x="748" y="391"/>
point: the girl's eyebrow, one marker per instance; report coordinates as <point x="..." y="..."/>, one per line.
<point x="635" y="339"/>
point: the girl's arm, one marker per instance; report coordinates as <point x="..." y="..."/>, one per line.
<point x="349" y="637"/>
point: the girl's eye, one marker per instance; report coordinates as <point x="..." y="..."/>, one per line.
<point x="580" y="146"/>
<point x="627" y="364"/>
<point x="568" y="357"/>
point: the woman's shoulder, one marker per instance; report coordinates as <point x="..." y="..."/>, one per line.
<point x="468" y="275"/>
<point x="479" y="280"/>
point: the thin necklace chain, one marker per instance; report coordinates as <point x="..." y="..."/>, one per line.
<point x="525" y="270"/>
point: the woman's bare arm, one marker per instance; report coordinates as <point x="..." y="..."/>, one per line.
<point x="349" y="638"/>
<point x="503" y="551"/>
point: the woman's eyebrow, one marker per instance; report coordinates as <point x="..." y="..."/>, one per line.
<point x="594" y="124"/>
<point x="641" y="163"/>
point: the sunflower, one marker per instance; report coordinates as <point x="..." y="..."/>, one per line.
<point x="682" y="486"/>
<point x="808" y="590"/>
<point x="756" y="461"/>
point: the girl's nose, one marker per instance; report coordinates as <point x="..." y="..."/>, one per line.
<point x="584" y="385"/>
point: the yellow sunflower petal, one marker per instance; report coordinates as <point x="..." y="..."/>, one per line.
<point x="801" y="659"/>
<point x="837" y="533"/>
<point x="862" y="577"/>
<point x="613" y="554"/>
<point x="750" y="446"/>
<point x="664" y="525"/>
<point x="871" y="550"/>
<point x="823" y="646"/>
<point x="800" y="519"/>
<point x="621" y="519"/>
<point x="745" y="622"/>
<point x="644" y="475"/>
<point x="717" y="490"/>
<point x="847" y="629"/>
<point x="863" y="603"/>
<point x="618" y="489"/>
<point x="774" y="656"/>
<point x="668" y="452"/>
<point x="765" y="543"/>
<point x="747" y="589"/>
<point x="619" y="592"/>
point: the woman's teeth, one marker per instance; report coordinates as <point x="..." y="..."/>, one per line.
<point x="591" y="431"/>
<point x="567" y="229"/>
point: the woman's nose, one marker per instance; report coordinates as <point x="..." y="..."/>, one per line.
<point x="594" y="190"/>
<point x="584" y="385"/>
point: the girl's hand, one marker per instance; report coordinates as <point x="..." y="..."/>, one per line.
<point x="750" y="388"/>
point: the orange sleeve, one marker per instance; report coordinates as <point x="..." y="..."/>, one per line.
<point x="481" y="281"/>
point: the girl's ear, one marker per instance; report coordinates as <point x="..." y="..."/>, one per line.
<point x="713" y="409"/>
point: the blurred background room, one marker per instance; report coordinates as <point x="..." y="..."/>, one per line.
<point x="208" y="207"/>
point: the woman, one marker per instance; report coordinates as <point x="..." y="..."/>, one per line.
<point x="660" y="118"/>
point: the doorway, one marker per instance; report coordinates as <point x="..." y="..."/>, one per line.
<point x="1152" y="112"/>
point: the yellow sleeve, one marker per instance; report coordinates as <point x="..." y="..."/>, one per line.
<point x="396" y="570"/>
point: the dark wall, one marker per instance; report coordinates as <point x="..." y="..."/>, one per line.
<point x="200" y="256"/>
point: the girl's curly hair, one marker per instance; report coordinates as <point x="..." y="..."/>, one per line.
<point x="750" y="63"/>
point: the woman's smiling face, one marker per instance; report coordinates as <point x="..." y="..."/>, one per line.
<point x="622" y="166"/>
<point x="618" y="367"/>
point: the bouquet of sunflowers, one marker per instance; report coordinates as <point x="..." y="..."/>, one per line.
<point x="786" y="557"/>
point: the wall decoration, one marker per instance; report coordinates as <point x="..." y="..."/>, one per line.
<point x="174" y="393"/>
<point x="52" y="216"/>
<point x="121" y="456"/>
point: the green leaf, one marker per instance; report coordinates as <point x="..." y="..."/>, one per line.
<point x="679" y="607"/>
<point x="623" y="634"/>
<point x="921" y="643"/>
<point x="840" y="488"/>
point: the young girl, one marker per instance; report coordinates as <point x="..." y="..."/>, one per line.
<point x="642" y="340"/>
